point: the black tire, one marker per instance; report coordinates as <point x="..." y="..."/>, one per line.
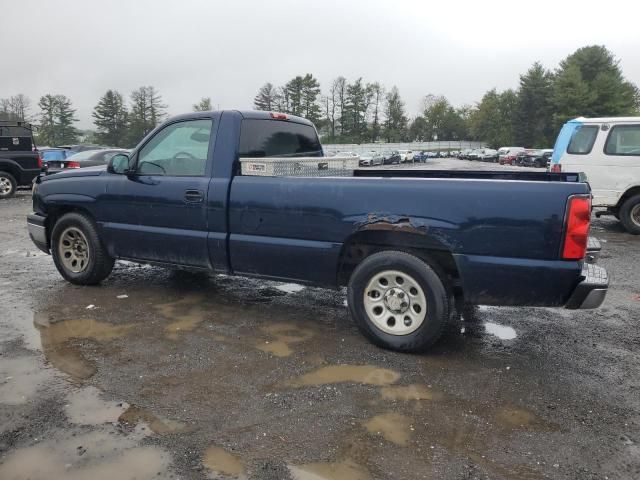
<point x="437" y="311"/>
<point x="7" y="178"/>
<point x="99" y="264"/>
<point x="631" y="209"/>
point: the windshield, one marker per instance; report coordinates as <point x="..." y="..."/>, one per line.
<point x="80" y="156"/>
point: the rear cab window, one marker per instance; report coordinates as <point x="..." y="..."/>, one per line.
<point x="261" y="138"/>
<point x="623" y="140"/>
<point x="583" y="139"/>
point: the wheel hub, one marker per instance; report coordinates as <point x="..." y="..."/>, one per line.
<point x="396" y="300"/>
<point x="5" y="185"/>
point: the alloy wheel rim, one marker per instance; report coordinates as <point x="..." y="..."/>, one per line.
<point x="5" y="185"/>
<point x="74" y="250"/>
<point x="395" y="302"/>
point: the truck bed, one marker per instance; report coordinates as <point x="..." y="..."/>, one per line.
<point x="472" y="175"/>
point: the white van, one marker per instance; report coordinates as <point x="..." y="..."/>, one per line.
<point x="607" y="150"/>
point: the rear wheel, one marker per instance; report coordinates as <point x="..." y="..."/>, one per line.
<point x="630" y="214"/>
<point x="398" y="301"/>
<point x="77" y="251"/>
<point x="8" y="185"/>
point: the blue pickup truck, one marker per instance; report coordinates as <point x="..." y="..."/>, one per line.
<point x="410" y="245"/>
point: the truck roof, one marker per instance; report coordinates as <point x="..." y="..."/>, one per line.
<point x="252" y="114"/>
<point x="607" y="120"/>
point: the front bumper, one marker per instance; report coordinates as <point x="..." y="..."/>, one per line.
<point x="38" y="231"/>
<point x="591" y="290"/>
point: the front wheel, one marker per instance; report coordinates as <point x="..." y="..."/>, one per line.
<point x="77" y="251"/>
<point x="398" y="301"/>
<point x="8" y="185"/>
<point x="629" y="215"/>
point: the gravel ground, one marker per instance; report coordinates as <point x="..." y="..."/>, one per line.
<point x="157" y="374"/>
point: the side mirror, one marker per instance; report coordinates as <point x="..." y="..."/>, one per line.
<point x="118" y="164"/>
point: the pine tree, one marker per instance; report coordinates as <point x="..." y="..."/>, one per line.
<point x="110" y="119"/>
<point x="310" y="92"/>
<point x="204" y="105"/>
<point x="147" y="111"/>
<point x="57" y="117"/>
<point x="65" y="118"/>
<point x="589" y="82"/>
<point x="395" y="127"/>
<point x="534" y="125"/>
<point x="47" y="127"/>
<point x="266" y="98"/>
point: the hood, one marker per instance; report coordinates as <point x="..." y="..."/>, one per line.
<point x="77" y="172"/>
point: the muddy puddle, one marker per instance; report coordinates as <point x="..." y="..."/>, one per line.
<point x="363" y="374"/>
<point x="344" y="470"/>
<point x="282" y="337"/>
<point x="20" y="379"/>
<point x="221" y="462"/>
<point x="393" y="427"/>
<point x="87" y="407"/>
<point x="97" y="455"/>
<point x="136" y="416"/>
<point x="406" y="393"/>
<point x="58" y="339"/>
<point x="186" y="314"/>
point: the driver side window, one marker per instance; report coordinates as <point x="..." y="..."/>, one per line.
<point x="180" y="149"/>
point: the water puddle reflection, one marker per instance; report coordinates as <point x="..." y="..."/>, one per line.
<point x="86" y="407"/>
<point x="57" y="342"/>
<point x="284" y="335"/>
<point x="394" y="427"/>
<point x="99" y="455"/>
<point x="221" y="462"/>
<point x="407" y="393"/>
<point x="364" y="374"/>
<point x="20" y="379"/>
<point x="345" y="470"/>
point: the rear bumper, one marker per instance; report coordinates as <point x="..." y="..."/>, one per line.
<point x="593" y="250"/>
<point x="37" y="231"/>
<point x="592" y="289"/>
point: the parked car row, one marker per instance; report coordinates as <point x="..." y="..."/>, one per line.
<point x="372" y="158"/>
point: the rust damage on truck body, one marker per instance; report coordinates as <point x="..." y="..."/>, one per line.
<point x="395" y="223"/>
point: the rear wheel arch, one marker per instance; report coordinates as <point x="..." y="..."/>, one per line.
<point x="363" y="244"/>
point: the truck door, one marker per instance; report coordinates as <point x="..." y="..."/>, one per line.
<point x="158" y="213"/>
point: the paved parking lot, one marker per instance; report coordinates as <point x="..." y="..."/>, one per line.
<point x="157" y="374"/>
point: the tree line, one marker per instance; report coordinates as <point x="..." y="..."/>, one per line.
<point x="589" y="82"/>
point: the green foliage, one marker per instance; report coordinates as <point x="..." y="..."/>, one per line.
<point x="533" y="127"/>
<point x="266" y="98"/>
<point x="439" y="120"/>
<point x="57" y="117"/>
<point x="395" y="126"/>
<point x="111" y="119"/>
<point x="589" y="82"/>
<point x="204" y="105"/>
<point x="146" y="113"/>
<point x="492" y="120"/>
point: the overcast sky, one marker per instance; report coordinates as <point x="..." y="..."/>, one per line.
<point x="190" y="49"/>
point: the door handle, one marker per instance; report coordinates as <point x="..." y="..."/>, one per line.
<point x="193" y="196"/>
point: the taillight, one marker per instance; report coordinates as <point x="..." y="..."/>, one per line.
<point x="556" y="168"/>
<point x="577" y="228"/>
<point x="39" y="161"/>
<point x="279" y="116"/>
<point x="73" y="165"/>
